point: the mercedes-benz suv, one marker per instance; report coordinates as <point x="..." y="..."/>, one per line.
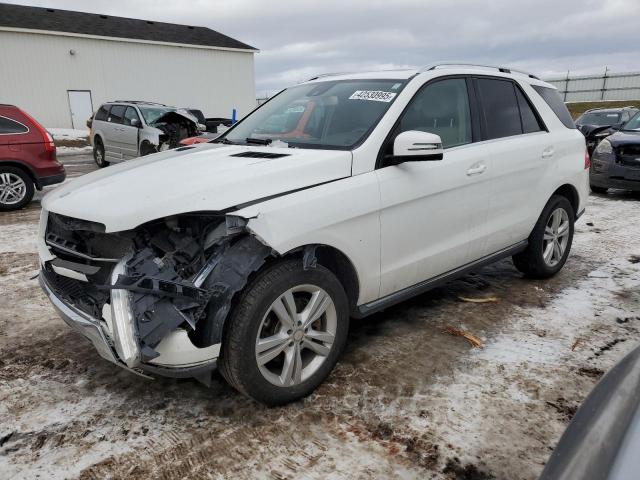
<point x="337" y="198"/>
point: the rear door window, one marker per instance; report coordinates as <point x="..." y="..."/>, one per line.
<point x="116" y="115"/>
<point x="9" y="127"/>
<point x="102" y="113"/>
<point x="551" y="97"/>
<point x="500" y="108"/>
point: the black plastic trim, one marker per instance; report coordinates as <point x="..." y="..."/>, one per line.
<point x="397" y="297"/>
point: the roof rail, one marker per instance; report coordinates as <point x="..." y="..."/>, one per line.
<point x="435" y="65"/>
<point x="136" y="102"/>
<point x="330" y="74"/>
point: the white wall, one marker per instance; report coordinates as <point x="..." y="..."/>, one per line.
<point x="36" y="70"/>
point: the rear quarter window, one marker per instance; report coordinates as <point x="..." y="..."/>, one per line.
<point x="8" y="126"/>
<point x="551" y="97"/>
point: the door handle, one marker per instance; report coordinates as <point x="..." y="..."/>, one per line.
<point x="476" y="169"/>
<point x="548" y="152"/>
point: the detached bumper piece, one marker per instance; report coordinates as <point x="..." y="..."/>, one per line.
<point x="90" y="327"/>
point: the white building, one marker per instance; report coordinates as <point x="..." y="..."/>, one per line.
<point x="60" y="65"/>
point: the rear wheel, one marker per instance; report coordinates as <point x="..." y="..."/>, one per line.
<point x="16" y="188"/>
<point x="98" y="153"/>
<point x="550" y="241"/>
<point x="286" y="333"/>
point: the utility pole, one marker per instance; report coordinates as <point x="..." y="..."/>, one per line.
<point x="566" y="86"/>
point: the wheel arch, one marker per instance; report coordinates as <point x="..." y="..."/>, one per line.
<point x="335" y="261"/>
<point x="570" y="193"/>
<point x="25" y="168"/>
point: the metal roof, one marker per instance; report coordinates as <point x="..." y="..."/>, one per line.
<point x="67" y="21"/>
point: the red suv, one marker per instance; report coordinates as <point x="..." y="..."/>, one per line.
<point x="27" y="158"/>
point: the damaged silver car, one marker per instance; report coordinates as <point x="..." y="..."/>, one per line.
<point x="123" y="130"/>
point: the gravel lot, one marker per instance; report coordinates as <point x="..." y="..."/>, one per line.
<point x="407" y="400"/>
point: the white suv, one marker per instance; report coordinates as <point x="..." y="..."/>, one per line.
<point x="337" y="198"/>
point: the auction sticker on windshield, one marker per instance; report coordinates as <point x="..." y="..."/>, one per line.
<point x="373" y="95"/>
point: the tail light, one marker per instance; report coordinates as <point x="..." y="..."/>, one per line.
<point x="49" y="146"/>
<point x="587" y="160"/>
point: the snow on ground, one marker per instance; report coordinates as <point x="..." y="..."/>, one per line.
<point x="406" y="401"/>
<point x="67" y="151"/>
<point x="68" y="133"/>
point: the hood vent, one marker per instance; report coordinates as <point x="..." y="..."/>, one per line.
<point x="250" y="154"/>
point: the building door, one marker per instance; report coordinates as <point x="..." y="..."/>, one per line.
<point x="81" y="108"/>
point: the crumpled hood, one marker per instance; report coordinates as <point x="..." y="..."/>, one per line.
<point x="174" y="116"/>
<point x="206" y="177"/>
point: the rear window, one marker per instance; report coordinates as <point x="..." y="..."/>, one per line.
<point x="550" y="95"/>
<point x="8" y="126"/>
<point x="102" y="113"/>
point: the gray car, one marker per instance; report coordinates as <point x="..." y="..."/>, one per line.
<point x="122" y="130"/>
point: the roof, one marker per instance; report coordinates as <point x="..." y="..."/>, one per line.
<point x="49" y="19"/>
<point x="436" y="69"/>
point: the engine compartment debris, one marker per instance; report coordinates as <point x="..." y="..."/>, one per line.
<point x="179" y="271"/>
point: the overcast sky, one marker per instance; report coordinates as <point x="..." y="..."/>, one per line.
<point x="300" y="38"/>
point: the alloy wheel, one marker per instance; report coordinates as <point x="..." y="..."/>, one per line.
<point x="12" y="188"/>
<point x="296" y="335"/>
<point x="556" y="237"/>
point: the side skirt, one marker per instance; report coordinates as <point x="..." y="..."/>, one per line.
<point x="406" y="293"/>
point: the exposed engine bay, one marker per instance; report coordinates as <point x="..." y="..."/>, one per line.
<point x="176" y="125"/>
<point x="181" y="273"/>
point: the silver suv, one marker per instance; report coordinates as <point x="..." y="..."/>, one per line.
<point x="127" y="129"/>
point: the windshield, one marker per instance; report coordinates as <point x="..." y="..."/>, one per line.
<point x="331" y="114"/>
<point x="151" y="114"/>
<point x="633" y="124"/>
<point x="599" y="118"/>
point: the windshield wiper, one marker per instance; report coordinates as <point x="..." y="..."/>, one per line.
<point x="258" y="141"/>
<point x="223" y="140"/>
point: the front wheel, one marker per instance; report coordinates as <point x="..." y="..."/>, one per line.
<point x="549" y="242"/>
<point x="286" y="333"/>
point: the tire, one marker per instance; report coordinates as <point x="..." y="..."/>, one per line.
<point x="16" y="188"/>
<point x="253" y="315"/>
<point x="98" y="153"/>
<point x="595" y="189"/>
<point x="147" y="149"/>
<point x="532" y="261"/>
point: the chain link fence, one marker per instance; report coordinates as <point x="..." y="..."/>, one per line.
<point x="595" y="88"/>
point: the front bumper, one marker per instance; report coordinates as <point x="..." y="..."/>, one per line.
<point x="89" y="327"/>
<point x="607" y="173"/>
<point x="95" y="330"/>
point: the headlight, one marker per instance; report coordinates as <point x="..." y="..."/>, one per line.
<point x="602" y="135"/>
<point x="604" y="147"/>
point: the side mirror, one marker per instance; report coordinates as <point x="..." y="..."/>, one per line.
<point x="135" y="122"/>
<point x="416" y="146"/>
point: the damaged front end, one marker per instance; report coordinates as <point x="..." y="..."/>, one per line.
<point x="155" y="298"/>
<point x="176" y="126"/>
